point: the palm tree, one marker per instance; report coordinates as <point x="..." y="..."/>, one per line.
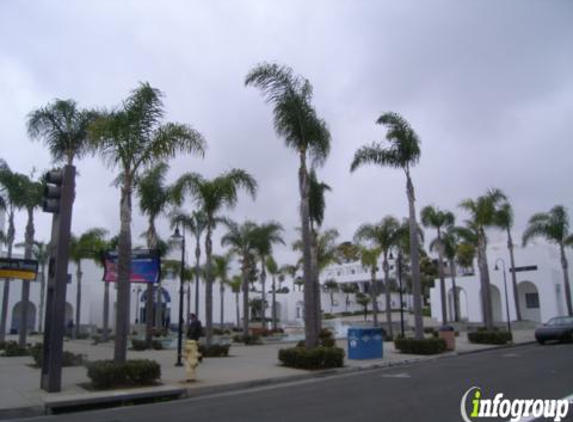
<point x="211" y="196"/>
<point x="440" y="220"/>
<point x="385" y="236"/>
<point x="241" y="240"/>
<point x="63" y="127"/>
<point x="235" y="284"/>
<point x="331" y="286"/>
<point x="483" y="214"/>
<point x="265" y="236"/>
<point x="363" y="300"/>
<point x="505" y="222"/>
<point x="553" y="226"/>
<point x="13" y="194"/>
<point x="369" y="259"/>
<point x="41" y="253"/>
<point x="274" y="271"/>
<point x="131" y="138"/>
<point x="403" y="153"/>
<point x="297" y="122"/>
<point x="449" y="242"/>
<point x="221" y="264"/>
<point x="154" y="196"/>
<point x="87" y="246"/>
<point x="348" y="289"/>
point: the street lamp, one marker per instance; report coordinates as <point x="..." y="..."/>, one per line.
<point x="137" y="291"/>
<point x="180" y="238"/>
<point x="496" y="268"/>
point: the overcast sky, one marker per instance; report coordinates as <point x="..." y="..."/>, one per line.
<point x="487" y="85"/>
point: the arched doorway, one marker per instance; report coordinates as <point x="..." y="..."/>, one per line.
<point x="16" y="323"/>
<point x="165" y="307"/>
<point x="496" y="304"/>
<point x="529" y="301"/>
<point x="278" y="311"/>
<point x="462" y="304"/>
<point x="300" y="310"/>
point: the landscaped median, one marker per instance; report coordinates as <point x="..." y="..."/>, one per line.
<point x="325" y="356"/>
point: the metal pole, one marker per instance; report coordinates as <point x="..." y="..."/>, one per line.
<point x="401" y="301"/>
<point x="180" y="327"/>
<point x="506" y="298"/>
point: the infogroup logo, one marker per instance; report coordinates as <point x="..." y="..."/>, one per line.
<point x="517" y="409"/>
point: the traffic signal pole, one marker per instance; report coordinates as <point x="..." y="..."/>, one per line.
<point x="58" y="200"/>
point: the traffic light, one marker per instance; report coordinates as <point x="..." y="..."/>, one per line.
<point x="52" y="191"/>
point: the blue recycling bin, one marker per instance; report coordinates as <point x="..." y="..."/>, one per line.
<point x="365" y="343"/>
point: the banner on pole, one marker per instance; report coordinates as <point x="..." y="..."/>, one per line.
<point x="145" y="266"/>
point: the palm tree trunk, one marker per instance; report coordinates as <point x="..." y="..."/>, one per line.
<point x="484" y="281"/>
<point x="29" y="243"/>
<point x="187" y="319"/>
<point x="222" y="293"/>
<point x="264" y="294"/>
<point x="513" y="276"/>
<point x="105" y="333"/>
<point x="151" y="244"/>
<point x="442" y="279"/>
<point x="42" y="295"/>
<point x="274" y="307"/>
<point x="415" y="259"/>
<point x="245" y="287"/>
<point x="310" y="326"/>
<point x="197" y="273"/>
<point x="209" y="286"/>
<point x="79" y="275"/>
<point x="159" y="307"/>
<point x="386" y="269"/>
<point x="565" y="266"/>
<point x="373" y="294"/>
<point x="123" y="272"/>
<point x="455" y="289"/>
<point x="315" y="277"/>
<point x="6" y="290"/>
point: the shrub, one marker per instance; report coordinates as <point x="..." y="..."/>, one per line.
<point x="427" y="346"/>
<point x="317" y="358"/>
<point x="249" y="340"/>
<point x="328" y="315"/>
<point x="326" y="338"/>
<point x="2" y="345"/>
<point x="346" y="313"/>
<point x="157" y="345"/>
<point x="106" y="374"/>
<point x="11" y="349"/>
<point x="221" y="331"/>
<point x="138" y="345"/>
<point x="490" y="337"/>
<point x="68" y="358"/>
<point x="215" y="350"/>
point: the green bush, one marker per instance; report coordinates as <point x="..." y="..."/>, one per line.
<point x="490" y="337"/>
<point x="249" y="340"/>
<point x="157" y="345"/>
<point x="106" y="374"/>
<point x="346" y="313"/>
<point x="328" y="315"/>
<point x="2" y="345"/>
<point x="138" y="345"/>
<point x="326" y="338"/>
<point x="11" y="349"/>
<point x="427" y="346"/>
<point x="68" y="358"/>
<point x="215" y="350"/>
<point x="317" y="358"/>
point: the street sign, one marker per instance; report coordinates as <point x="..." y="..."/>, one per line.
<point x="526" y="268"/>
<point x="22" y="269"/>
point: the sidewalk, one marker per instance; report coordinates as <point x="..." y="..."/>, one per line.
<point x="246" y="365"/>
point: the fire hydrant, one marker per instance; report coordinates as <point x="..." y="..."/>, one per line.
<point x="192" y="355"/>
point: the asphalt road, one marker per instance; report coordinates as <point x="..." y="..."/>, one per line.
<point x="428" y="391"/>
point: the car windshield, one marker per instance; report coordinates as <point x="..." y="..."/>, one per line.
<point x="560" y="321"/>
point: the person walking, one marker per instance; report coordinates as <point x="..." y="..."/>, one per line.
<point x="195" y="329"/>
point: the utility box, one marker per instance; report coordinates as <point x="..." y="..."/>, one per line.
<point x="365" y="343"/>
<point x="448" y="333"/>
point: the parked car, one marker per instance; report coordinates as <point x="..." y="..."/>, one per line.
<point x="558" y="328"/>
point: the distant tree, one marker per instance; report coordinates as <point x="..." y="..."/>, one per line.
<point x="331" y="286"/>
<point x="363" y="300"/>
<point x="348" y="289"/>
<point x="369" y="259"/>
<point x="235" y="284"/>
<point x="403" y="153"/>
<point x="553" y="226"/>
<point x="221" y="268"/>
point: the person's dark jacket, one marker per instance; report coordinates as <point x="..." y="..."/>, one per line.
<point x="195" y="330"/>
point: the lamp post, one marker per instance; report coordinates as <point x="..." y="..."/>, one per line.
<point x="137" y="291"/>
<point x="496" y="268"/>
<point x="178" y="237"/>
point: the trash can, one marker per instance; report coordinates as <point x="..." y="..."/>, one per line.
<point x="365" y="343"/>
<point x="448" y="333"/>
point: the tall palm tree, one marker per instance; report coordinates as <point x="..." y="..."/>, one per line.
<point x="331" y="287"/>
<point x="41" y="253"/>
<point x="440" y="220"/>
<point x="235" y="284"/>
<point x="154" y="196"/>
<point x="385" y="236"/>
<point x="211" y="196"/>
<point x="266" y="235"/>
<point x="483" y="213"/>
<point x="241" y="240"/>
<point x="276" y="272"/>
<point x="221" y="268"/>
<point x="369" y="259"/>
<point x="297" y="122"/>
<point x="13" y="193"/>
<point x="87" y="246"/>
<point x="505" y="222"/>
<point x="63" y="127"/>
<point x="348" y="289"/>
<point x="130" y="138"/>
<point x="553" y="226"/>
<point x="449" y="243"/>
<point x="403" y="153"/>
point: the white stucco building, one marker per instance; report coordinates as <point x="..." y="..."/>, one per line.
<point x="540" y="287"/>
